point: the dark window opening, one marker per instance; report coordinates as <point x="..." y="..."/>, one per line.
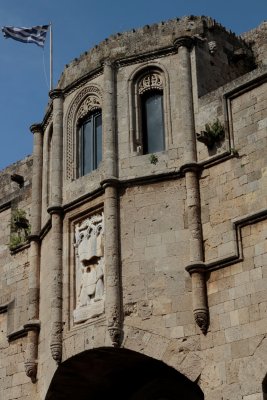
<point x="90" y="143"/>
<point x="152" y="122"/>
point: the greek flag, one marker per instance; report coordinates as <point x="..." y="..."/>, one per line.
<point x="35" y="34"/>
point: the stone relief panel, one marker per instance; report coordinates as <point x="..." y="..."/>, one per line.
<point x="90" y="268"/>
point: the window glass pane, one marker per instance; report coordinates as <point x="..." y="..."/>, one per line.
<point x="98" y="139"/>
<point x="153" y="124"/>
<point x="86" y="144"/>
<point x="90" y="153"/>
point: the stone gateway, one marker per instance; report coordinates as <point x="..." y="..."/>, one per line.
<point x="133" y="243"/>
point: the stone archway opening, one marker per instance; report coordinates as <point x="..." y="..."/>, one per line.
<point x="119" y="374"/>
<point x="264" y="387"/>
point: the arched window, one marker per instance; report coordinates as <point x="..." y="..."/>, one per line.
<point x="152" y="121"/>
<point x="84" y="133"/>
<point x="150" y="133"/>
<point x="90" y="143"/>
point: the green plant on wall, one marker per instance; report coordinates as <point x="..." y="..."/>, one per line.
<point x="20" y="229"/>
<point x="153" y="159"/>
<point x="213" y="133"/>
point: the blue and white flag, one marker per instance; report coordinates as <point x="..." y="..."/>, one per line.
<point x="35" y="34"/>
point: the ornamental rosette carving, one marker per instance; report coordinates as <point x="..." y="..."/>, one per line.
<point x="202" y="320"/>
<point x="152" y="81"/>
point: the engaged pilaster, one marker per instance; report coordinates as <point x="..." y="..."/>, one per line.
<point x="196" y="268"/>
<point x="56" y="217"/>
<point x="112" y="262"/>
<point x="33" y="324"/>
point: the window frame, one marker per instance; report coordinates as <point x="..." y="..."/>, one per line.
<point x="138" y="84"/>
<point x="91" y="116"/>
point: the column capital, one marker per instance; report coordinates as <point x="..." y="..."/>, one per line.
<point x="107" y="63"/>
<point x="184" y="41"/>
<point x="36" y="128"/>
<point x="56" y="93"/>
<point x="198" y="267"/>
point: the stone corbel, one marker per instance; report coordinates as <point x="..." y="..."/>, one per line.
<point x="199" y="293"/>
<point x="31" y="363"/>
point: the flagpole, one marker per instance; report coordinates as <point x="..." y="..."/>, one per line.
<point x="51" y="57"/>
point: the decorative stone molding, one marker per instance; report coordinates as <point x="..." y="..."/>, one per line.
<point x="31" y="370"/>
<point x="91" y="103"/>
<point x="36" y="128"/>
<point x="31" y="363"/>
<point x="90" y="268"/>
<point x="212" y="45"/>
<point x="199" y="293"/>
<point x="202" y="319"/>
<point x="114" y="325"/>
<point x="151" y="81"/>
<point x="87" y="100"/>
<point x="56" y="348"/>
<point x="56" y="93"/>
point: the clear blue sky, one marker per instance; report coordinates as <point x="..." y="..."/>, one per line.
<point x="78" y="26"/>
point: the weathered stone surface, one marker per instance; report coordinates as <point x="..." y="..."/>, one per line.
<point x="190" y="206"/>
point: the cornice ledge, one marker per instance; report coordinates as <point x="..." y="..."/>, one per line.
<point x="149" y="55"/>
<point x="33" y="325"/>
<point x="16" y="334"/>
<point x="34" y="237"/>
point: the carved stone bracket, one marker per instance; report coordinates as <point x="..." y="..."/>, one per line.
<point x="31" y="363"/>
<point x="56" y="350"/>
<point x="202" y="319"/>
<point x="199" y="292"/>
<point x="31" y="370"/>
<point x="115" y="336"/>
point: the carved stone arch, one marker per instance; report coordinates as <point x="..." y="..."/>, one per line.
<point x="153" y="76"/>
<point x="88" y="99"/>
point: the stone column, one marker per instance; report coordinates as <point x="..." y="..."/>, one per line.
<point x="111" y="213"/>
<point x="55" y="210"/>
<point x="196" y="267"/>
<point x="33" y="324"/>
<point x="185" y="95"/>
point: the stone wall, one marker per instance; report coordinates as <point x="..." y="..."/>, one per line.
<point x="14" y="285"/>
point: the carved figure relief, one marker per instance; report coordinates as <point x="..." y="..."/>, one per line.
<point x="90" y="268"/>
